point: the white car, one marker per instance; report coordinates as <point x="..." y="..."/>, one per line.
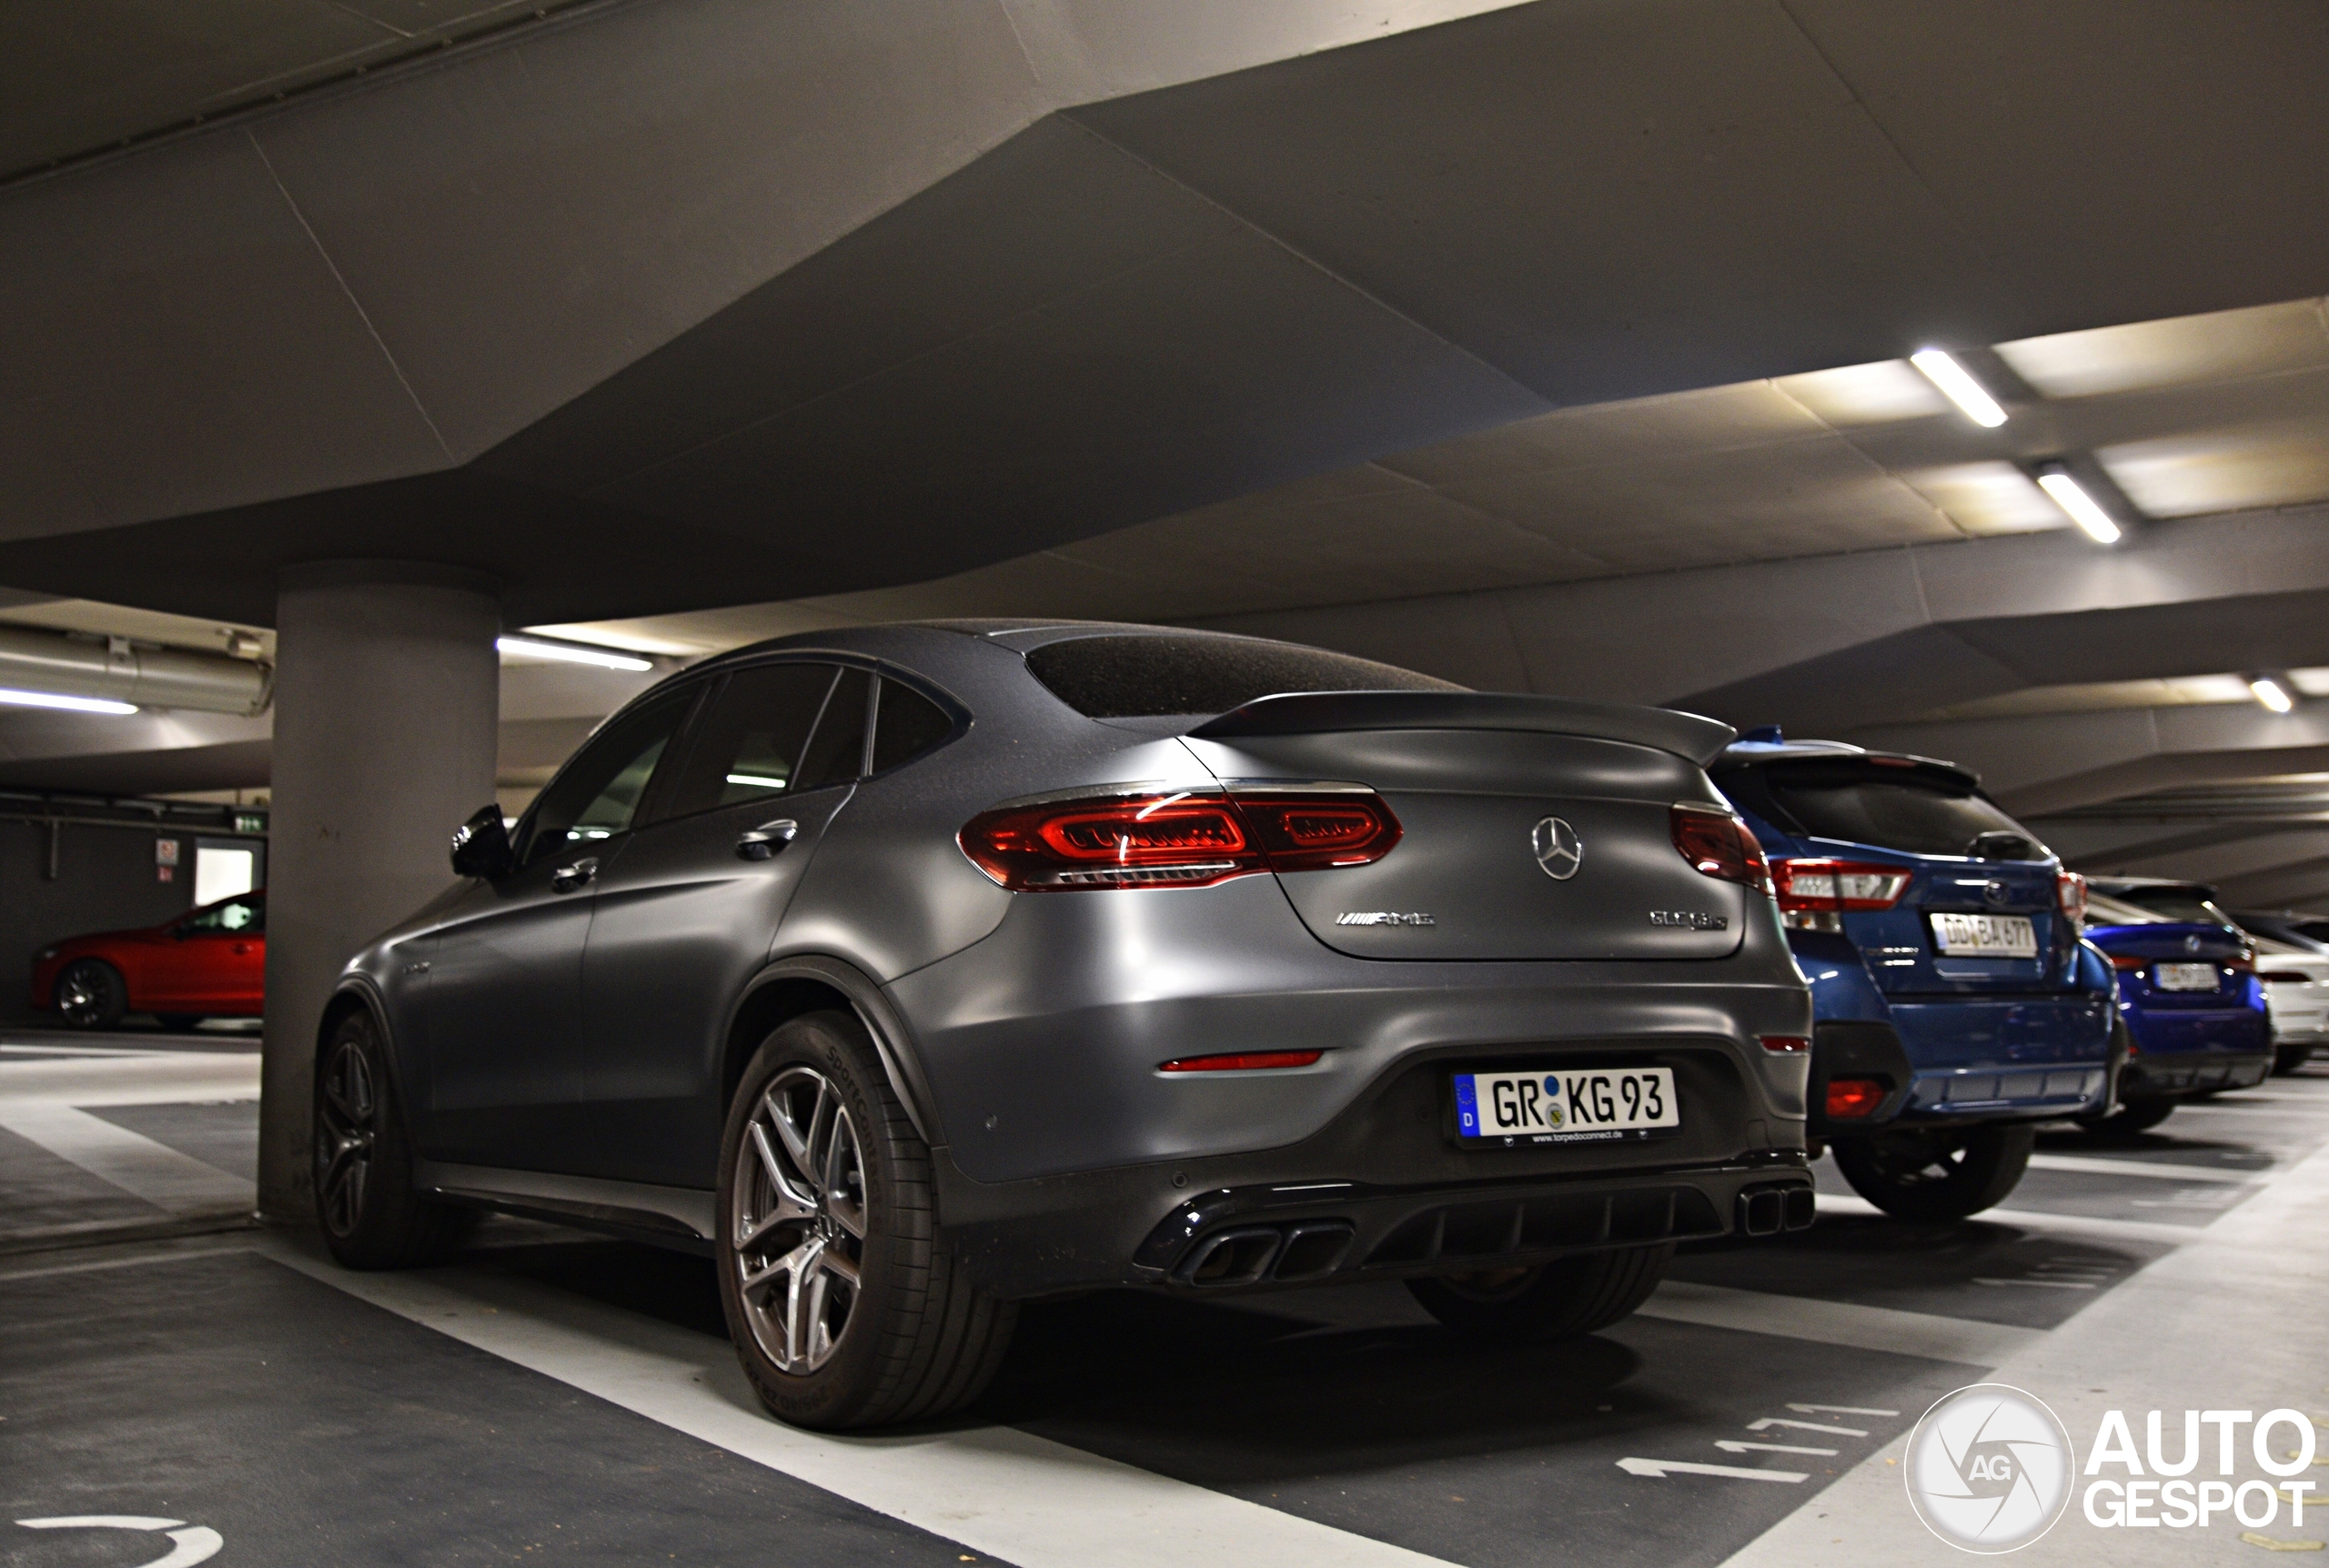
<point x="2296" y="995"/>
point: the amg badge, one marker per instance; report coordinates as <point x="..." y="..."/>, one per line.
<point x="1381" y="918"/>
<point x="1689" y="919"/>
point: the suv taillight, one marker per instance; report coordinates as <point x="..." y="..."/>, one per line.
<point x="1188" y="839"/>
<point x="1815" y="894"/>
<point x="2070" y="897"/>
<point x="1719" y="845"/>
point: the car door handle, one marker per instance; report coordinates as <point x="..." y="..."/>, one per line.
<point x="242" y="947"/>
<point x="567" y="878"/>
<point x="764" y="842"/>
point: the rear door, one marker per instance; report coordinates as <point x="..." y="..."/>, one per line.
<point x="687" y="914"/>
<point x="1515" y="845"/>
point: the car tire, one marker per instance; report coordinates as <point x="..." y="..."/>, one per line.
<point x="2129" y="1118"/>
<point x="845" y="1305"/>
<point x="372" y="1215"/>
<point x="179" y="1022"/>
<point x="91" y="994"/>
<point x="1566" y="1299"/>
<point x="1914" y="1175"/>
<point x="2287" y="1059"/>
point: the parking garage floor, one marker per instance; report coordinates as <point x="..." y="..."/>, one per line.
<point x="213" y="1389"/>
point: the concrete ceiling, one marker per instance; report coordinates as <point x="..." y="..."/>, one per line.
<point x="465" y="313"/>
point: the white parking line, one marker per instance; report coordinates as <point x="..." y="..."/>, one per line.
<point x="148" y="1077"/>
<point x="2164" y="1172"/>
<point x="175" y="1182"/>
<point x="1839" y="1323"/>
<point x="996" y="1490"/>
<point x="2036" y="1220"/>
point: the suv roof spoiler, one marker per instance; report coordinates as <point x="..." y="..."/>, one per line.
<point x="1317" y="713"/>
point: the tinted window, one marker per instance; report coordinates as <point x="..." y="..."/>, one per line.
<point x="2171" y="903"/>
<point x="1916" y="814"/>
<point x="837" y="751"/>
<point x="906" y="725"/>
<point x="597" y="794"/>
<point x="240" y="916"/>
<point x="1145" y="675"/>
<point x="750" y="741"/>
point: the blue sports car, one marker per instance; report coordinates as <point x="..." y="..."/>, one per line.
<point x="1955" y="1005"/>
<point x="2189" y="991"/>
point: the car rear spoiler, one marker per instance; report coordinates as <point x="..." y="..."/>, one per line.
<point x="1319" y="712"/>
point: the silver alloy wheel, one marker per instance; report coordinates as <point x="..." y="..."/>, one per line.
<point x="797" y="1220"/>
<point x="346" y="1120"/>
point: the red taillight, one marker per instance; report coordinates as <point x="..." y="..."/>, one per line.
<point x="2069" y="896"/>
<point x="1719" y="845"/>
<point x="1188" y="839"/>
<point x="1790" y="1042"/>
<point x="1851" y="1096"/>
<point x="2122" y="962"/>
<point x="2294" y="977"/>
<point x="1242" y="1061"/>
<point x="1834" y="885"/>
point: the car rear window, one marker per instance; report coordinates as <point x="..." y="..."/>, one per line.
<point x="2173" y="903"/>
<point x="1913" y="812"/>
<point x="1137" y="676"/>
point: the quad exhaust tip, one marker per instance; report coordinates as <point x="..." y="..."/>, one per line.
<point x="1768" y="1211"/>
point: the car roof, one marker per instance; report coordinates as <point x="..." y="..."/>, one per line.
<point x="1747" y="752"/>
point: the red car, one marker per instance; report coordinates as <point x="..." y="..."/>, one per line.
<point x="210" y="963"/>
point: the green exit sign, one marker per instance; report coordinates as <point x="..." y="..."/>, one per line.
<point x="250" y="824"/>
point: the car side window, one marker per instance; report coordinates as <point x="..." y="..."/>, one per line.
<point x="599" y="792"/>
<point x="905" y="724"/>
<point x="836" y="753"/>
<point x="750" y="742"/>
<point x="238" y="916"/>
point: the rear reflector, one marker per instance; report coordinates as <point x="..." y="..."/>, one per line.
<point x="2126" y="962"/>
<point x="1851" y="1096"/>
<point x="1719" y="845"/>
<point x="1189" y="838"/>
<point x="1242" y="1061"/>
<point x="1785" y="1042"/>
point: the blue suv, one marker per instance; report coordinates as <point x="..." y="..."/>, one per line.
<point x="1956" y="1005"/>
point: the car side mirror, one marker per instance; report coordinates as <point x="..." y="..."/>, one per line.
<point x="481" y="845"/>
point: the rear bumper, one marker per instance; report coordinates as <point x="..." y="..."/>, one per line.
<point x="2011" y="1058"/>
<point x="1135" y="1228"/>
<point x="2147" y="1077"/>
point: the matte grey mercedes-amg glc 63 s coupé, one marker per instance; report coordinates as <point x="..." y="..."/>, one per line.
<point x="915" y="971"/>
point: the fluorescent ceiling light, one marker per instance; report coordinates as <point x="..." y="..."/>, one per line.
<point x="2082" y="510"/>
<point x="1959" y="388"/>
<point x="71" y="704"/>
<point x="2272" y="693"/>
<point x="604" y="658"/>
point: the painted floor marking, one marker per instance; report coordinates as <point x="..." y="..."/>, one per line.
<point x="998" y="1491"/>
<point x="2034" y="1219"/>
<point x="2157" y="1168"/>
<point x="189" y="1544"/>
<point x="1662" y="1468"/>
<point x="1769" y="1421"/>
<point x="1839" y="1410"/>
<point x="175" y="1182"/>
<point x="1732" y="1445"/>
<point x="1890" y="1329"/>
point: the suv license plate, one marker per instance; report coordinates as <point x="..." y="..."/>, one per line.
<point x="1985" y="936"/>
<point x="2187" y="976"/>
<point x="1597" y="1104"/>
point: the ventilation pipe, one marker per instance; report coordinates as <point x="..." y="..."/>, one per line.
<point x="67" y="665"/>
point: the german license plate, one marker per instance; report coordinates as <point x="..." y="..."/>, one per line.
<point x="1595" y="1104"/>
<point x="1985" y="936"/>
<point x="2187" y="976"/>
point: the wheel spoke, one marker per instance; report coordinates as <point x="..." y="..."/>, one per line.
<point x="795" y="1144"/>
<point x="832" y="1261"/>
<point x="807" y="1198"/>
<point x="788" y="1192"/>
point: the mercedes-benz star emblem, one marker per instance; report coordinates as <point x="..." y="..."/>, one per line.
<point x="1559" y="849"/>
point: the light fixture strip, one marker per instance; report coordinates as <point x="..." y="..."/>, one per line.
<point x="69" y="704"/>
<point x="2082" y="508"/>
<point x="572" y="653"/>
<point x="1957" y="384"/>
<point x="2272" y="693"/>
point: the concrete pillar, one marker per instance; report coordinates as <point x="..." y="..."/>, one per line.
<point x="386" y="705"/>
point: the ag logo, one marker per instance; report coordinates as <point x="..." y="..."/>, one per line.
<point x="1558" y="848"/>
<point x="1989" y="1469"/>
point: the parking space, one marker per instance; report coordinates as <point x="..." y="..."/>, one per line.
<point x="555" y="1396"/>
